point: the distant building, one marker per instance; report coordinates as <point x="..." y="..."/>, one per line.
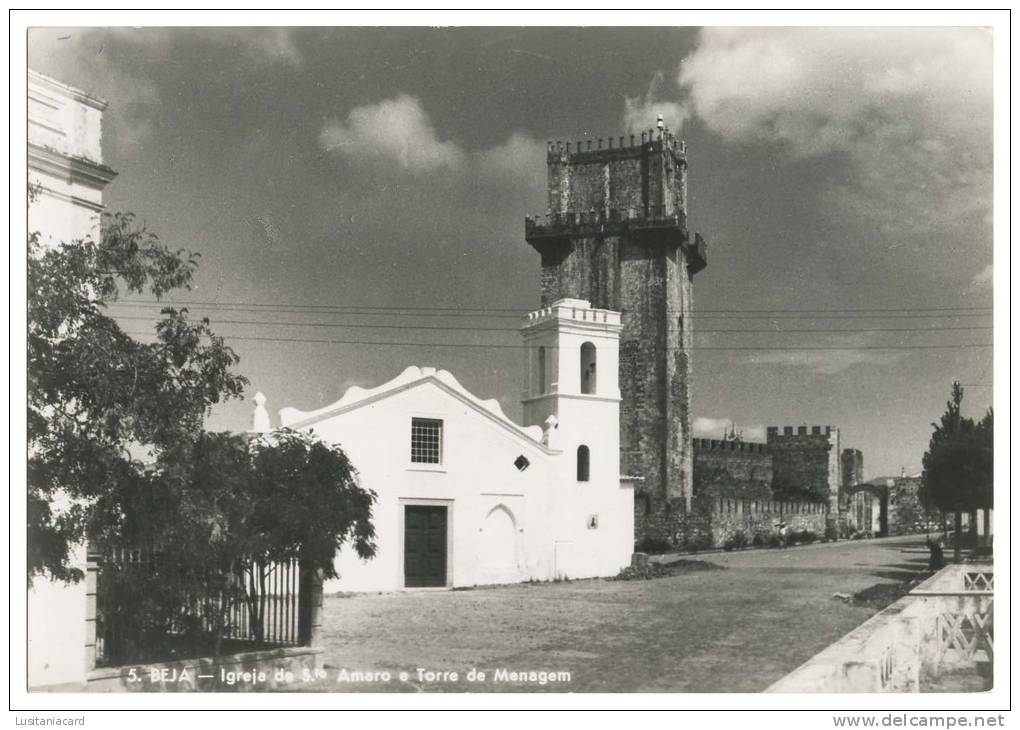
<point x="67" y="177"/>
<point x="466" y="496"/>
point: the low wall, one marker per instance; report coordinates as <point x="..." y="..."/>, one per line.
<point x="943" y="625"/>
<point x="715" y="520"/>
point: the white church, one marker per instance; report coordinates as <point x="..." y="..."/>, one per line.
<point x="468" y="497"/>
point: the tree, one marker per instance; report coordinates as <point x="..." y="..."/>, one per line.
<point x="95" y="394"/>
<point x="958" y="471"/>
<point x="215" y="518"/>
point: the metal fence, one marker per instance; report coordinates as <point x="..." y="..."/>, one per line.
<point x="142" y="617"/>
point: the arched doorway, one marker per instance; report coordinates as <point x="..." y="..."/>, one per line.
<point x="868" y="508"/>
<point x="499" y="546"/>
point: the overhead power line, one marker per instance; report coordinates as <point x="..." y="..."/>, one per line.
<point x="410" y="308"/>
<point x="469" y="328"/>
<point x="411" y="312"/>
<point x="518" y="347"/>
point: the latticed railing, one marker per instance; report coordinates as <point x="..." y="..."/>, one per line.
<point x="968" y="634"/>
<point x="978" y="581"/>
<point x="944" y="625"/>
<point x="145" y="612"/>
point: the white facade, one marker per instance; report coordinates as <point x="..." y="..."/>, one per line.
<point x="64" y="160"/>
<point x="481" y="500"/>
<point x="65" y="168"/>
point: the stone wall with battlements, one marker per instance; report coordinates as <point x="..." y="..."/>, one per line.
<point x="732" y="469"/>
<point x="806" y="463"/>
<point x="712" y="521"/>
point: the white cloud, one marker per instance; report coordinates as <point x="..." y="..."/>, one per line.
<point x="843" y="89"/>
<point x="983" y="278"/>
<point x="274" y="44"/>
<point x="908" y="110"/>
<point x="399" y="132"/>
<point x="642" y="112"/>
<point x="717" y="428"/>
<point x="395" y="130"/>
<point x="825" y="362"/>
<point x="521" y="159"/>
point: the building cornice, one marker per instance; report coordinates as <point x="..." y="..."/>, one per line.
<point x="69" y="91"/>
<point x="572" y="396"/>
<point x="74" y="169"/>
<point x="73" y="199"/>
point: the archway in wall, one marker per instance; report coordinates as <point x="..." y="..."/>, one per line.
<point x="499" y="546"/>
<point x="878" y="494"/>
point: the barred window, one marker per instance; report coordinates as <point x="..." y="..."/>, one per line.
<point x="426" y="441"/>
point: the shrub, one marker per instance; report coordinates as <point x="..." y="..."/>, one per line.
<point x="806" y="537"/>
<point x="653" y="546"/>
<point x="758" y="540"/>
<point x="830" y="533"/>
<point x="739" y="539"/>
<point x="698" y="542"/>
<point x="774" y="540"/>
<point x="792" y="536"/>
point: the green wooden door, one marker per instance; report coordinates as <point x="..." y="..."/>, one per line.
<point x="424" y="546"/>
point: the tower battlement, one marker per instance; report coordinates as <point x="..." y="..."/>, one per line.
<point x="623" y="146"/>
<point x="787" y="431"/>
<point x="748" y="447"/>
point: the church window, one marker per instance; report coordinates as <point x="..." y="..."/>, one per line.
<point x="426" y="441"/>
<point x="588" y="374"/>
<point x="541" y="370"/>
<point x="583" y="463"/>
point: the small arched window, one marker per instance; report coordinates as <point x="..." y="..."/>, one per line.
<point x="588" y="379"/>
<point x="583" y="463"/>
<point x="541" y="369"/>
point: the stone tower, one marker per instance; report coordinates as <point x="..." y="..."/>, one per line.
<point x="615" y="234"/>
<point x="807" y="462"/>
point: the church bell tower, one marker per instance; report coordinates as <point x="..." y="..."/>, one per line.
<point x="615" y="234"/>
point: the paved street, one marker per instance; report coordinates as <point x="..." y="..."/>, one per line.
<point x="735" y="629"/>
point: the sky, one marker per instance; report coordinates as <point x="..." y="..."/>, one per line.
<point x="331" y="176"/>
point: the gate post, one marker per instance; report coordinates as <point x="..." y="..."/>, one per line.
<point x="310" y="606"/>
<point x="91" y="586"/>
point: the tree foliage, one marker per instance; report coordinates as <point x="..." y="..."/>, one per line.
<point x="215" y="518"/>
<point x="95" y="394"/>
<point x="235" y="497"/>
<point x="958" y="471"/>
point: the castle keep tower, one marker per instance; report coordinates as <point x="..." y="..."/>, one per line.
<point x="615" y="234"/>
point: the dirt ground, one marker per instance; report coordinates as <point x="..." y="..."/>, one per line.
<point x="733" y="630"/>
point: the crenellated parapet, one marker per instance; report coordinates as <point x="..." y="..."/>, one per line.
<point x="632" y="145"/>
<point x="785" y="431"/>
<point x="747" y="447"/>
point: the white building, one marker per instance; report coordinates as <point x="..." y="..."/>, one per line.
<point x="64" y="160"/>
<point x="466" y="496"/>
<point x="66" y="171"/>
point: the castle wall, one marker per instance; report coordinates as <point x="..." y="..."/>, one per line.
<point x="732" y="469"/>
<point x="806" y="461"/>
<point x="713" y="521"/>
